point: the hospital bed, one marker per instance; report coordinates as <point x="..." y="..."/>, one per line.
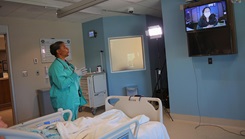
<point x="125" y="118"/>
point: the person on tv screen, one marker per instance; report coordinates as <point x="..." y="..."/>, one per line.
<point x="207" y="20"/>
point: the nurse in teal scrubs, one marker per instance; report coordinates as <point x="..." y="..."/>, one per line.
<point x="64" y="78"/>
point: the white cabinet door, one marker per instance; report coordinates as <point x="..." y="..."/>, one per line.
<point x="99" y="82"/>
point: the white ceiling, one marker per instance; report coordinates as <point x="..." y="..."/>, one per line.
<point x="46" y="9"/>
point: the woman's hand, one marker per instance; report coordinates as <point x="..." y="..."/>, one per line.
<point x="209" y="26"/>
<point x="80" y="72"/>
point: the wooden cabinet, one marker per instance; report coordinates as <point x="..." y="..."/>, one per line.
<point x="2" y="43"/>
<point x="5" y="97"/>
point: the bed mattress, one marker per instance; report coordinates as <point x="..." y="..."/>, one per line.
<point x="92" y="128"/>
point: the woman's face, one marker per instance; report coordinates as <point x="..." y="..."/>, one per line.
<point x="63" y="52"/>
<point x="206" y="12"/>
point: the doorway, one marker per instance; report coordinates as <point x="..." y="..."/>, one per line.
<point x="6" y="107"/>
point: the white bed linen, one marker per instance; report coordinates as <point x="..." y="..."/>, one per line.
<point x="92" y="128"/>
<point x="153" y="130"/>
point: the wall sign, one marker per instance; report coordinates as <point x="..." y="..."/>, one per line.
<point x="45" y="49"/>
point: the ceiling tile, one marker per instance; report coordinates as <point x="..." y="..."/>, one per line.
<point x="108" y="8"/>
<point x="7" y="8"/>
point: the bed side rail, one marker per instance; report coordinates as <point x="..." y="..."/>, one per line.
<point x="17" y="134"/>
<point x="45" y="120"/>
<point x="133" y="106"/>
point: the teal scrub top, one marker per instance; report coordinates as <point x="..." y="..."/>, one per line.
<point x="65" y="89"/>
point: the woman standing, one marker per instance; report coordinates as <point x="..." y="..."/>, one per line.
<point x="64" y="78"/>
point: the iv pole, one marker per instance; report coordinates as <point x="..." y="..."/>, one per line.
<point x="101" y="60"/>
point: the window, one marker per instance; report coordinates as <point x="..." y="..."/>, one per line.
<point x="126" y="54"/>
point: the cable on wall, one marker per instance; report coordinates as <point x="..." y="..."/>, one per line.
<point x="197" y="90"/>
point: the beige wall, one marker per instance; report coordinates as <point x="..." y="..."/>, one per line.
<point x="24" y="35"/>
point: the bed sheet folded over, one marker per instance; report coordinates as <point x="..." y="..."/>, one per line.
<point x="92" y="128"/>
<point x="153" y="130"/>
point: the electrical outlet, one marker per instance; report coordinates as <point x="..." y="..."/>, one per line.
<point x="210" y="61"/>
<point x="24" y="73"/>
<point x="37" y="72"/>
<point x="35" y="60"/>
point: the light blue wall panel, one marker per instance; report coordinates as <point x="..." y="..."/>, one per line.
<point x="214" y="90"/>
<point x="127" y="26"/>
<point x="117" y="27"/>
<point x="93" y="46"/>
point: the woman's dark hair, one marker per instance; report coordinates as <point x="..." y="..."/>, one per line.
<point x="205" y="8"/>
<point x="54" y="47"/>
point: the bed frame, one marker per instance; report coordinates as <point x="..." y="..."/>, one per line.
<point x="136" y="105"/>
<point x="13" y="133"/>
<point x="131" y="106"/>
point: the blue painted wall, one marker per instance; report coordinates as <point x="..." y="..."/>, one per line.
<point x="118" y="27"/>
<point x="93" y="46"/>
<point x="216" y="90"/>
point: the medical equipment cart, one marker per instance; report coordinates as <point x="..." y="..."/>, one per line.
<point x="94" y="88"/>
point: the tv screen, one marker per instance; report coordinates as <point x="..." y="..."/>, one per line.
<point x="217" y="42"/>
<point x="210" y="28"/>
<point x="206" y="16"/>
<point x="91" y="34"/>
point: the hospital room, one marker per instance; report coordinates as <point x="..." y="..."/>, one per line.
<point x="181" y="83"/>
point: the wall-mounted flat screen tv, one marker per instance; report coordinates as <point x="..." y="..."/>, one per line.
<point x="210" y="28"/>
<point x="92" y="34"/>
<point x="206" y="16"/>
